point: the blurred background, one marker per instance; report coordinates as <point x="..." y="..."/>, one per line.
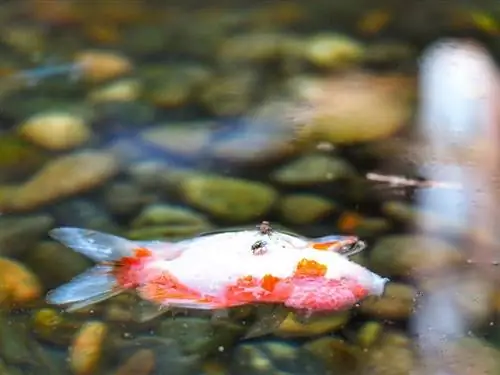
<point x="161" y="120"/>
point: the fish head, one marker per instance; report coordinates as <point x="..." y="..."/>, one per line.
<point x="331" y="282"/>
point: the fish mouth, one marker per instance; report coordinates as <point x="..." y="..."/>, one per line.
<point x="379" y="285"/>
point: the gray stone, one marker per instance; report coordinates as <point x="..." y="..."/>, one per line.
<point x="19" y="234"/>
<point x="313" y="169"/>
<point x="274" y="357"/>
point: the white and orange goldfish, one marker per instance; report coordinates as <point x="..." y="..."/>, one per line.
<point x="220" y="270"/>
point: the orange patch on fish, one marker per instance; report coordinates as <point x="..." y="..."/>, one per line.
<point x="359" y="291"/>
<point x="165" y="287"/>
<point x="251" y="289"/>
<point x="243" y="290"/>
<point x="142" y="252"/>
<point x="269" y="282"/>
<point x="126" y="269"/>
<point x="324" y="245"/>
<point x="310" y="268"/>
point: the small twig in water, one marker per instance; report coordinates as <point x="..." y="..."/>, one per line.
<point x="398" y="181"/>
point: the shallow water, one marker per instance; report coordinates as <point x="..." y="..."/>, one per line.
<point x="154" y="121"/>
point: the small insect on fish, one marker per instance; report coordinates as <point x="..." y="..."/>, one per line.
<point x="265" y="228"/>
<point x="219" y="271"/>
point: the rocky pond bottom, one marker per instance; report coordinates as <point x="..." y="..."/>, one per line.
<point x="161" y="123"/>
<point x="107" y="339"/>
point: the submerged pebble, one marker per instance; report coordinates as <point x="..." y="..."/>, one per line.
<point x="99" y="66"/>
<point x="305" y="208"/>
<point x="54" y="263"/>
<point x="174" y="86"/>
<point x="168" y="356"/>
<point x="186" y="138"/>
<point x="231" y="94"/>
<point x="262" y="136"/>
<point x="19" y="158"/>
<point x="19" y="234"/>
<point x="353" y="108"/>
<point x="86" y="349"/>
<point x="55" y="130"/>
<point x="198" y="335"/>
<point x="403" y="255"/>
<point x="18" y="285"/>
<point x="274" y="357"/>
<point x="65" y="176"/>
<point x="333" y="51"/>
<point x="393" y="355"/>
<point x="167" y="221"/>
<point x="292" y="327"/>
<point x="124" y="90"/>
<point x="397" y="302"/>
<point x="369" y="333"/>
<point x="123" y="198"/>
<point x="313" y="169"/>
<point x="336" y="354"/>
<point x="168" y="214"/>
<point x="16" y="344"/>
<point x="51" y="326"/>
<point x="229" y="198"/>
<point x="142" y="362"/>
<point x="85" y="213"/>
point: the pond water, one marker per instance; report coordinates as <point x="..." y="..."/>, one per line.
<point x="154" y="121"/>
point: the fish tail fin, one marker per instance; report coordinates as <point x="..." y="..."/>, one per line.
<point x="98" y="246"/>
<point x="94" y="285"/>
<point x="101" y="281"/>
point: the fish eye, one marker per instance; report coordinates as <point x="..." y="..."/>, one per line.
<point x="347" y="248"/>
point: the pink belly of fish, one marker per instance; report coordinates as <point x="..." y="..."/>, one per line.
<point x="325" y="294"/>
<point x="312" y="293"/>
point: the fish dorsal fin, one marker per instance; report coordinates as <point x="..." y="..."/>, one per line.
<point x="269" y="318"/>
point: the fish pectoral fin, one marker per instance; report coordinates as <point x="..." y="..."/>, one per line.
<point x="145" y="311"/>
<point x="184" y="303"/>
<point x="269" y="318"/>
<point x="220" y="315"/>
<point x="174" y="298"/>
<point x="167" y="290"/>
<point x="304" y="316"/>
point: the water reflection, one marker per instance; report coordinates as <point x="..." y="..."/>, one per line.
<point x="458" y="112"/>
